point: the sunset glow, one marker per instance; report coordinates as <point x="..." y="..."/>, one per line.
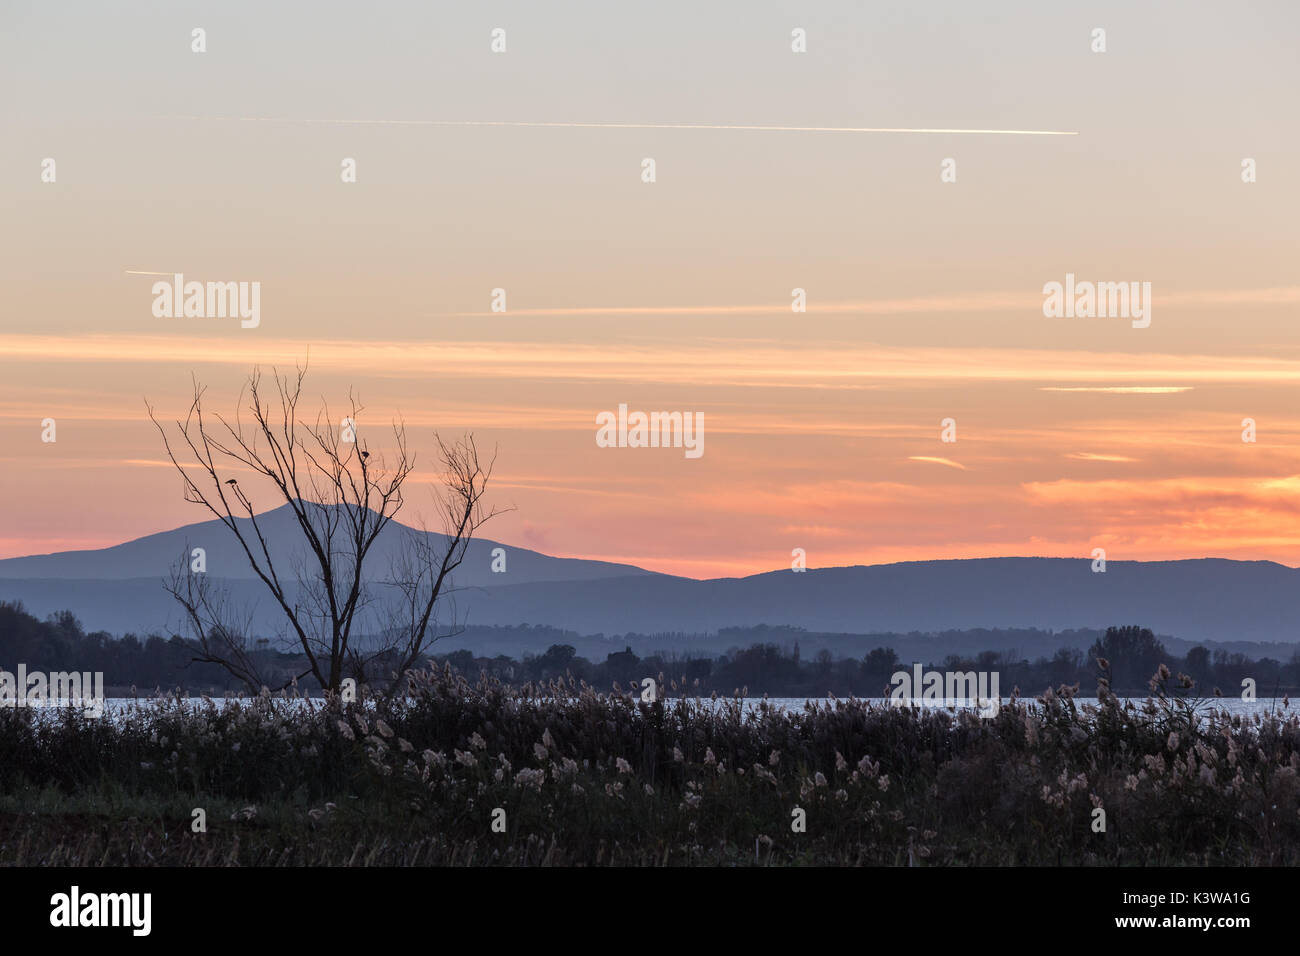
<point x="781" y="177"/>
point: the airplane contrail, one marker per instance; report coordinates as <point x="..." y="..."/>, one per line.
<point x="962" y="302"/>
<point x="559" y="125"/>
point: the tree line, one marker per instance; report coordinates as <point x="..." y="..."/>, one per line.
<point x="1131" y="654"/>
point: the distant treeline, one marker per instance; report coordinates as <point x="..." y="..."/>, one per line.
<point x="775" y="669"/>
<point x="60" y="644"/>
<point x="1132" y="655"/>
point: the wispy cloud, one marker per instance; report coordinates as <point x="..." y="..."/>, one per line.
<point x="938" y="461"/>
<point x="744" y="363"/>
<point x="1121" y="389"/>
<point x="1089" y="456"/>
<point x="974" y="302"/>
<point x="571" y="125"/>
<point x="971" y="302"/>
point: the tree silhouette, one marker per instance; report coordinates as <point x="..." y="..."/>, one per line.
<point x="1133" y="653"/>
<point x="342" y="498"/>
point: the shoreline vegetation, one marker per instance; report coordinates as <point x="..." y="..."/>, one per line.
<point x="483" y="773"/>
<point x="493" y="761"/>
<point x="765" y="667"/>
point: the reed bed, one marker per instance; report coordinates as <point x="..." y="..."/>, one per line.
<point x="573" y="776"/>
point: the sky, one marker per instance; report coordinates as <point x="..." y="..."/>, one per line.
<point x="823" y="429"/>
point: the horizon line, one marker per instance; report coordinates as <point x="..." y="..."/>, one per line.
<point x="637" y="567"/>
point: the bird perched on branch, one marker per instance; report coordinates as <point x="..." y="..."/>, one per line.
<point x="231" y="481"/>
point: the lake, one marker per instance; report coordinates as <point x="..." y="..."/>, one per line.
<point x="1234" y="705"/>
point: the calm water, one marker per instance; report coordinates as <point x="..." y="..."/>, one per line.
<point x="1234" y="705"/>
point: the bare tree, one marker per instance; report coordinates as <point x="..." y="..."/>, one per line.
<point x="342" y="498"/>
<point x="221" y="631"/>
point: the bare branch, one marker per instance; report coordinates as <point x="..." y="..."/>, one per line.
<point x="342" y="499"/>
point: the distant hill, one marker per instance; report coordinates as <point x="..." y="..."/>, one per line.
<point x="1194" y="600"/>
<point x="152" y="556"/>
<point x="119" y="589"/>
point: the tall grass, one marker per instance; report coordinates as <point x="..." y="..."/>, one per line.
<point x="598" y="778"/>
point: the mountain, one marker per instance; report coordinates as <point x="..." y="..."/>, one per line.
<point x="153" y="556"/>
<point x="1206" y="599"/>
<point x="119" y="589"/>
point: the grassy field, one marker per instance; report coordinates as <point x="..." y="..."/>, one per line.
<point x="456" y="773"/>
